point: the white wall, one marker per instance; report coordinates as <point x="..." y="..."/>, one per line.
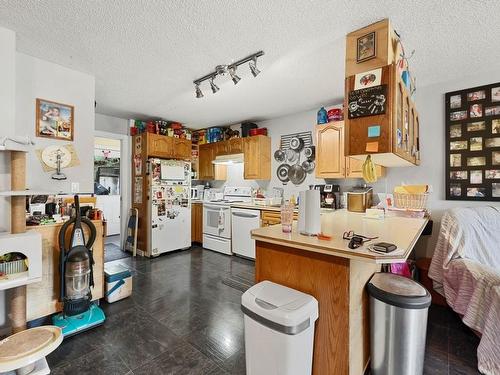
<point x="36" y="78"/>
<point x="111" y="124"/>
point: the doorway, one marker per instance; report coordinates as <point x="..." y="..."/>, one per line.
<point x="108" y="186"/>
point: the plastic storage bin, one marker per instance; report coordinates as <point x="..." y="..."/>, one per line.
<point x="398" y="324"/>
<point x="118" y="282"/>
<point x="279" y="329"/>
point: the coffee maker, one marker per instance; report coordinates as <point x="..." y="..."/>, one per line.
<point x="329" y="196"/>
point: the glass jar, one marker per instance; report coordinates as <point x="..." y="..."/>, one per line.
<point x="287" y="217"/>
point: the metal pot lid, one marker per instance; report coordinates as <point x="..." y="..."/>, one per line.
<point x="309" y="152"/>
<point x="309" y="165"/>
<point x="279" y="156"/>
<point x="296" y="174"/>
<point x="296" y="143"/>
<point x="282" y="172"/>
<point x="292" y="156"/>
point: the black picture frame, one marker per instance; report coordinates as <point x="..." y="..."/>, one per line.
<point x="474" y="134"/>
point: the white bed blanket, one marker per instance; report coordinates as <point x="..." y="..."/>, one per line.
<point x="465" y="269"/>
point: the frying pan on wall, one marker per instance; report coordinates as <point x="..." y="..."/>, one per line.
<point x="309" y="152"/>
<point x="279" y="155"/>
<point x="282" y="173"/>
<point x="291" y="155"/>
<point x="296" y="144"/>
<point x="296" y="174"/>
<point x="309" y="165"/>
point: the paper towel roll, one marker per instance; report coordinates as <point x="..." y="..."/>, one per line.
<point x="309" y="222"/>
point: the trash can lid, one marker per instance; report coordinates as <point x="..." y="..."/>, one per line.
<point x="287" y="308"/>
<point x="113" y="272"/>
<point x="398" y="291"/>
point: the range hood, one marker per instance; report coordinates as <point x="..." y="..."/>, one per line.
<point x="228" y="159"/>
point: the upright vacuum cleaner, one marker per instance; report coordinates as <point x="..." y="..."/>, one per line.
<point x="75" y="267"/>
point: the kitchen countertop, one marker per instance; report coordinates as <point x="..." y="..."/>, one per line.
<point x="404" y="232"/>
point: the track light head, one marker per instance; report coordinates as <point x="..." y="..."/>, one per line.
<point x="214" y="87"/>
<point x="234" y="76"/>
<point x="253" y="67"/>
<point x="199" y="94"/>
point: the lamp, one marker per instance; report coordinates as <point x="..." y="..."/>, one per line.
<point x="214" y="87"/>
<point x="199" y="94"/>
<point x="253" y="67"/>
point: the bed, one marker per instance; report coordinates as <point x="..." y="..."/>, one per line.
<point x="465" y="269"/>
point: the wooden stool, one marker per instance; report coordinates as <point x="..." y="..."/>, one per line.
<point x="24" y="352"/>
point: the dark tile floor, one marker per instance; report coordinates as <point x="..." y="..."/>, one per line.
<point x="181" y="319"/>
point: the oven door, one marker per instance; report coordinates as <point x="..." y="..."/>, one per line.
<point x="217" y="220"/>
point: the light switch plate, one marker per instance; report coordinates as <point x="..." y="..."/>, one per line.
<point x="75" y="187"/>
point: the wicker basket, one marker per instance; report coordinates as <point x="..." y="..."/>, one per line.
<point x="16" y="266"/>
<point x="411" y="201"/>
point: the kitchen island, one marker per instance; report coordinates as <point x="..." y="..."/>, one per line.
<point x="336" y="276"/>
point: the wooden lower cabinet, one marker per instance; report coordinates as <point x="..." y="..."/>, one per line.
<point x="197" y="222"/>
<point x="268" y="217"/>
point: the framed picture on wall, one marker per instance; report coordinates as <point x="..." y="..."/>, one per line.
<point x="366" y="47"/>
<point x="54" y="120"/>
<point x="472" y="118"/>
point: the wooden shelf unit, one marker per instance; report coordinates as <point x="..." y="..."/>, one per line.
<point x="398" y="142"/>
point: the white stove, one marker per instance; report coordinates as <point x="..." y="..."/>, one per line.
<point x="217" y="216"/>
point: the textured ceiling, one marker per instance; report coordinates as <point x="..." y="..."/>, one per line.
<point x="145" y="53"/>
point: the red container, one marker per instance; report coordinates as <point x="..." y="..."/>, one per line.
<point x="258" y="131"/>
<point x="151" y="128"/>
<point x="335" y="114"/>
<point x="134" y="131"/>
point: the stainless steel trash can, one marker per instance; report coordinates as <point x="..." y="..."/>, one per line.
<point x="398" y="324"/>
<point x="279" y="330"/>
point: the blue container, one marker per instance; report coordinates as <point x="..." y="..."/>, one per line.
<point x="322" y="116"/>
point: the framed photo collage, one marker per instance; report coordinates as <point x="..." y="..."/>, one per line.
<point x="473" y="143"/>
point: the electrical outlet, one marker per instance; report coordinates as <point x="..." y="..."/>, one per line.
<point x="75" y="187"/>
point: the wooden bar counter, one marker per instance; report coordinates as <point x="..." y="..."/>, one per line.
<point x="43" y="297"/>
<point x="336" y="276"/>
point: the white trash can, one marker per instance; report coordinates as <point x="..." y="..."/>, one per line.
<point x="279" y="329"/>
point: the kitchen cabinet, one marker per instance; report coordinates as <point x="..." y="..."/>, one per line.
<point x="182" y="148"/>
<point x="234" y="146"/>
<point x="271" y="217"/>
<point x="206" y="156"/>
<point x="207" y="170"/>
<point x="161" y="146"/>
<point x="257" y="158"/>
<point x="197" y="222"/>
<point x="330" y="159"/>
<point x="256" y="154"/>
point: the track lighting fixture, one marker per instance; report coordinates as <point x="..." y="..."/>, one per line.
<point x="234" y="76"/>
<point x="214" y="87"/>
<point x="222" y="70"/>
<point x="199" y="94"/>
<point x="253" y="67"/>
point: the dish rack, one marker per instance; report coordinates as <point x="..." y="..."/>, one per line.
<point x="15" y="266"/>
<point x="411" y="201"/>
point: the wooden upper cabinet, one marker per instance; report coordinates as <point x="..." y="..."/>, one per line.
<point x="206" y="167"/>
<point x="235" y="146"/>
<point x="221" y="148"/>
<point x="160" y="146"/>
<point x="182" y="148"/>
<point x="330" y="160"/>
<point x="257" y="156"/>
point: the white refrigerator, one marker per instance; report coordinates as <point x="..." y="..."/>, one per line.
<point x="170" y="210"/>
